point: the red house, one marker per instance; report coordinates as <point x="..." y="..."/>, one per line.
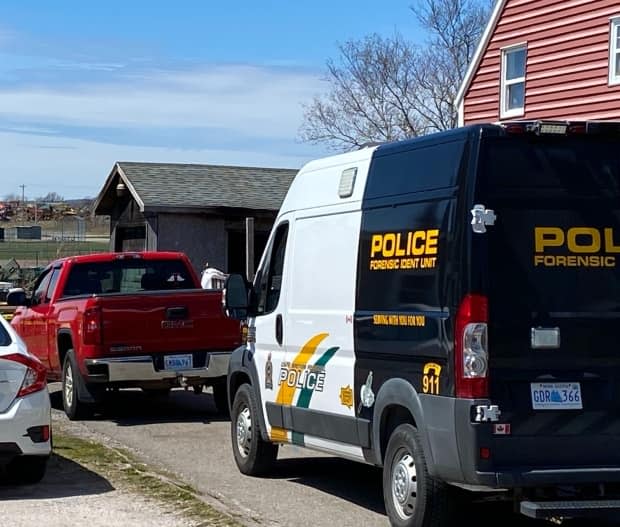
<point x="545" y="59"/>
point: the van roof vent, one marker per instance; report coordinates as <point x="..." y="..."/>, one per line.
<point x="347" y="182"/>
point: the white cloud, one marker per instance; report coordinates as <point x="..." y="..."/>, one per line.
<point x="261" y="102"/>
<point x="78" y="168"/>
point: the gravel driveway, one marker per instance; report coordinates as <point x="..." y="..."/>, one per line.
<point x="72" y="495"/>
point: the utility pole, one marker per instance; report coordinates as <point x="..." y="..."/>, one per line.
<point x="23" y="187"/>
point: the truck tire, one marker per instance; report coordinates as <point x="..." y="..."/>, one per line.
<point x="253" y="455"/>
<point x="412" y="497"/>
<point x="27" y="470"/>
<point x="220" y="397"/>
<point x="71" y="377"/>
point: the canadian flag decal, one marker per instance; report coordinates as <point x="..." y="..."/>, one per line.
<point x="501" y="429"/>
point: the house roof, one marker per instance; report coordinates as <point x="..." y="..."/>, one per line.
<point x="182" y="186"/>
<point x="477" y="58"/>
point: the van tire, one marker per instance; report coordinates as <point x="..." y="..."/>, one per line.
<point x="71" y="377"/>
<point x="253" y="455"/>
<point x="424" y="505"/>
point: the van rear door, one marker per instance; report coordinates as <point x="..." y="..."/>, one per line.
<point x="551" y="269"/>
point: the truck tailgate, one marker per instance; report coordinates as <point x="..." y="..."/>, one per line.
<point x="161" y="322"/>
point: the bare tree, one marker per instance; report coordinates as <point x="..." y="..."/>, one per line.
<point x="51" y="197"/>
<point x="384" y="89"/>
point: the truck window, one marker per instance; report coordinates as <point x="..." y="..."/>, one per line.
<point x="39" y="296"/>
<point x="52" y="285"/>
<point x="270" y="281"/>
<point x="127" y="276"/>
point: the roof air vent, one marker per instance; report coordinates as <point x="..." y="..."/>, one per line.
<point x="347" y="182"/>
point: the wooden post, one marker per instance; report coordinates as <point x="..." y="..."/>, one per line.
<point x="249" y="249"/>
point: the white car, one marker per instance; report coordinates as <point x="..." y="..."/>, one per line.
<point x="25" y="411"/>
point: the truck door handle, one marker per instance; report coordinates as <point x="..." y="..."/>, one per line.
<point x="176" y="313"/>
<point x="279" y="329"/>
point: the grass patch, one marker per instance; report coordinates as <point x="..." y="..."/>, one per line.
<point x="42" y="252"/>
<point x="123" y="470"/>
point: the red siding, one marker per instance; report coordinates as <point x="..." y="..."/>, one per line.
<point x="567" y="67"/>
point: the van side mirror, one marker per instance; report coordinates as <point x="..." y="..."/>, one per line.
<point x="235" y="297"/>
<point x="17" y="297"/>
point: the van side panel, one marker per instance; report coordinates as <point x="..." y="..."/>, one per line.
<point x="321" y="304"/>
<point x="410" y="258"/>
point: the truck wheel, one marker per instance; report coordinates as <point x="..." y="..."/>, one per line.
<point x="27" y="470"/>
<point x="71" y="376"/>
<point x="253" y="455"/>
<point x="412" y="497"/>
<point x="220" y="397"/>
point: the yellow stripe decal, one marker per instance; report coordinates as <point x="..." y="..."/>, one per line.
<point x="286" y="392"/>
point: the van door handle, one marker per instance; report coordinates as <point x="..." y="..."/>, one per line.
<point x="279" y="329"/>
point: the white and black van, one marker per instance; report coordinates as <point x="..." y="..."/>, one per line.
<point x="448" y="308"/>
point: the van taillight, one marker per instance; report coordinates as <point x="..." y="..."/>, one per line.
<point x="92" y="329"/>
<point x="471" y="352"/>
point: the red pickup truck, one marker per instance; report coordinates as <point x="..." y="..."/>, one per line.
<point x="119" y="320"/>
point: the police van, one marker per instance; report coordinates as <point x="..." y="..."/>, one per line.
<point x="447" y="308"/>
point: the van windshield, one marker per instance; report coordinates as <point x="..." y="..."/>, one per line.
<point x="555" y="247"/>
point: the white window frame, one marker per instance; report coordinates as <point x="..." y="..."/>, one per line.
<point x="614" y="50"/>
<point x="504" y="111"/>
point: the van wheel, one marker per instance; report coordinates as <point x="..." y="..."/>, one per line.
<point x="412" y="498"/>
<point x="253" y="455"/>
<point x="71" y="376"/>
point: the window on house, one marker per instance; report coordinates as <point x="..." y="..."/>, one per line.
<point x="513" y="81"/>
<point x="614" y="52"/>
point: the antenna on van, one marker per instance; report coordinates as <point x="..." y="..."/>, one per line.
<point x="370" y="144"/>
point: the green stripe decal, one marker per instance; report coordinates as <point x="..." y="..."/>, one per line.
<point x="305" y="395"/>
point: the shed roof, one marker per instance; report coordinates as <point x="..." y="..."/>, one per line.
<point x="184" y="186"/>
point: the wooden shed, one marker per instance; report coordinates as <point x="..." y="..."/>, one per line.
<point x="196" y="209"/>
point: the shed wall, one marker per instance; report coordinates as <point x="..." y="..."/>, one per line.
<point x="201" y="237"/>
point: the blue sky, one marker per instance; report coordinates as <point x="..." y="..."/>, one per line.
<point x="85" y="84"/>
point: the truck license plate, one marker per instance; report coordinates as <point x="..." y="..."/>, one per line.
<point x="556" y="396"/>
<point x="178" y="362"/>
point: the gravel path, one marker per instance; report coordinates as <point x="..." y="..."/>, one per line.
<point x="70" y="494"/>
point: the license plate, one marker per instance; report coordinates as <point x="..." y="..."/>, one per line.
<point x="556" y="396"/>
<point x="178" y="362"/>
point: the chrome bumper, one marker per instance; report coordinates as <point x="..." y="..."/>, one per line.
<point x="141" y="368"/>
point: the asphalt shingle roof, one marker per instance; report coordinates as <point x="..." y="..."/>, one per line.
<point x="179" y="185"/>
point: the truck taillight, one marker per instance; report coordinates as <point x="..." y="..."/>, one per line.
<point x="92" y="326"/>
<point x="471" y="352"/>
